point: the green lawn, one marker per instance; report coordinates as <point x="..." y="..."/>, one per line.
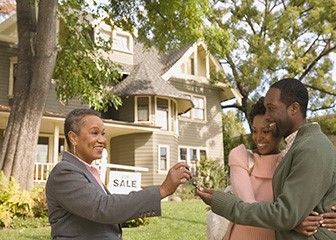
<point x="179" y="221"/>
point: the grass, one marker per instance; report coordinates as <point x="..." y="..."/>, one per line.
<point x="179" y="221"/>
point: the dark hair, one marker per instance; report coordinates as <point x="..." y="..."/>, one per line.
<point x="73" y="121"/>
<point x="292" y="90"/>
<point x="257" y="108"/>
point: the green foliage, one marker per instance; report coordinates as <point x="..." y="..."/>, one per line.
<point x="275" y="39"/>
<point x="327" y="123"/>
<point x="186" y="191"/>
<point x="83" y="68"/>
<point x="40" y="207"/>
<point x="167" y="24"/>
<point x="233" y="134"/>
<point x="136" y="222"/>
<point x="212" y="174"/>
<point x="15" y="204"/>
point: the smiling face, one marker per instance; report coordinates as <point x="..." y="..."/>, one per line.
<point x="90" y="141"/>
<point x="277" y="112"/>
<point x="263" y="136"/>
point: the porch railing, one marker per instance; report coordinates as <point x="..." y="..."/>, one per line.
<point x="41" y="172"/>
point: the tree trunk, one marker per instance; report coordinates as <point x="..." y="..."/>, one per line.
<point x="36" y="62"/>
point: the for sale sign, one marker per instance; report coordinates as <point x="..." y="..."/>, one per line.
<point x="124" y="182"/>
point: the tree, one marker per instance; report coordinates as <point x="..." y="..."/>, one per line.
<point x="233" y="135"/>
<point x="259" y="44"/>
<point x="36" y="60"/>
<point x="275" y="39"/>
<point x="79" y="60"/>
<point x="7" y="6"/>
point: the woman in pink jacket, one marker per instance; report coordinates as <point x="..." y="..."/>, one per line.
<point x="251" y="177"/>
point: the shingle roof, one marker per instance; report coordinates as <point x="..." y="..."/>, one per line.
<point x="145" y="79"/>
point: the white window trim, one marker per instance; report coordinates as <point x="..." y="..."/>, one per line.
<point x="136" y="109"/>
<point x="124" y="34"/>
<point x="198" y="152"/>
<point x="176" y="126"/>
<point x="159" y="160"/>
<point x="113" y="33"/>
<point x="12" y="60"/>
<point x="191" y="118"/>
<point x="169" y="111"/>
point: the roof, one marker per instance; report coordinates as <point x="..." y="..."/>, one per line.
<point x="145" y="80"/>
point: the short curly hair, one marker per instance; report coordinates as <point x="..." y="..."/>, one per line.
<point x="257" y="108"/>
<point x="73" y="121"/>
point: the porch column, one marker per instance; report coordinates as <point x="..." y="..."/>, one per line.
<point x="56" y="144"/>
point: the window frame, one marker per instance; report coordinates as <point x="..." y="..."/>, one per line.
<point x="168" y="113"/>
<point x="12" y="62"/>
<point x="198" y="154"/>
<point x="136" y="109"/>
<point x="191" y="112"/>
<point x="167" y="158"/>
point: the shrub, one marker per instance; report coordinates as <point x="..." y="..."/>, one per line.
<point x="40" y="207"/>
<point x="136" y="222"/>
<point x="212" y="174"/>
<point x="186" y="191"/>
<point x="15" y="203"/>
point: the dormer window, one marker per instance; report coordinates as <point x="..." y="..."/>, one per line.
<point x="122" y="42"/>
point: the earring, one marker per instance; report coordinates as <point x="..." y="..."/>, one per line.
<point x="74" y="150"/>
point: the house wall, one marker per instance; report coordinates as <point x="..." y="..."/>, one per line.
<point x="171" y="140"/>
<point x="125" y="112"/>
<point x="141" y="150"/>
<point x="56" y="106"/>
<point x="5" y="53"/>
<point x="196" y="133"/>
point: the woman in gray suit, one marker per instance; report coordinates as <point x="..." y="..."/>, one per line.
<point x="79" y="205"/>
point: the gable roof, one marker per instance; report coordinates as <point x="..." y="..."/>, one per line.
<point x="145" y="80"/>
<point x="8" y="29"/>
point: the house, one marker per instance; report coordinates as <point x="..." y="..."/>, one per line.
<point x="170" y="112"/>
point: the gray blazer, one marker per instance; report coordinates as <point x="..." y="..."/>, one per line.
<point x="78" y="208"/>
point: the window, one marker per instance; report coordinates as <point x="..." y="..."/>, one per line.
<point x="192" y="155"/>
<point x="143" y="109"/>
<point x="173" y="116"/>
<point x="187" y="114"/>
<point x="12" y="76"/>
<point x="161" y="117"/>
<point x="183" y="154"/>
<point x="191" y="66"/>
<point x="163" y="157"/>
<point x="121" y="42"/>
<point x="193" y="161"/>
<point x="42" y="150"/>
<point x="198" y="112"/>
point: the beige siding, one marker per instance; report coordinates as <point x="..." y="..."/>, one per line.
<point x="141" y="150"/>
<point x="134" y="150"/>
<point x="54" y="105"/>
<point x="171" y="141"/>
<point x="5" y="53"/>
<point x="206" y="134"/>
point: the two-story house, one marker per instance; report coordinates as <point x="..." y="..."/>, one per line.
<point x="170" y="112"/>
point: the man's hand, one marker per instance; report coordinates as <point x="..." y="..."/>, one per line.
<point x="309" y="226"/>
<point x="177" y="175"/>
<point x="205" y="194"/>
<point x="329" y="220"/>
